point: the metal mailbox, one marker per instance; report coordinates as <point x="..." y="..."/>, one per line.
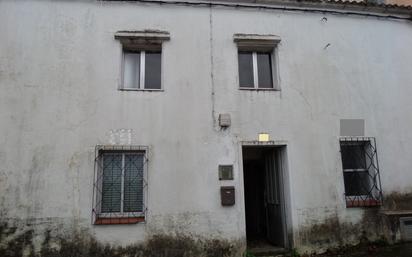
<point x="227" y="195"/>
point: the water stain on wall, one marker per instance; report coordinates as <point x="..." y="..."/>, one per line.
<point x="333" y="233"/>
<point x="17" y="240"/>
<point x="398" y="201"/>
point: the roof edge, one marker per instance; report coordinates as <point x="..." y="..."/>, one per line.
<point x="328" y="6"/>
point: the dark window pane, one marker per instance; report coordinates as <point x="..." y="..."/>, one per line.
<point x="245" y="69"/>
<point x="264" y="70"/>
<point x="112" y="183"/>
<point x="353" y="156"/>
<point x="408" y="222"/>
<point x="152" y="70"/>
<point x="133" y="183"/>
<point x="357" y="183"/>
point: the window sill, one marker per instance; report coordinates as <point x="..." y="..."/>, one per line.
<point x="120" y="220"/>
<point x="355" y="203"/>
<point x="400" y="213"/>
<point x="144" y="90"/>
<point x="258" y="89"/>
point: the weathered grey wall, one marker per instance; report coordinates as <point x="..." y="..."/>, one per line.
<point x="59" y="74"/>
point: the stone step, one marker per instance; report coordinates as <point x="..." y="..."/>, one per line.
<point x="274" y="255"/>
<point x="269" y="252"/>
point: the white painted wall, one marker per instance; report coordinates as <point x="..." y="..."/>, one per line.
<point x="59" y="74"/>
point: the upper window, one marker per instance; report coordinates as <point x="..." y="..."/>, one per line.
<point x="141" y="70"/>
<point x="255" y="69"/>
<point x="120" y="185"/>
<point x="142" y="59"/>
<point x="257" y="65"/>
<point x="360" y="172"/>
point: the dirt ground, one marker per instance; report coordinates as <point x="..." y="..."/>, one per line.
<point x="398" y="250"/>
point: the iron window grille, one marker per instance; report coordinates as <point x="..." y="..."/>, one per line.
<point x="361" y="172"/>
<point x="120" y="184"/>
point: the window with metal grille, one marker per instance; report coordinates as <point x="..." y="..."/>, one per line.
<point x="120" y="183"/>
<point x="360" y="171"/>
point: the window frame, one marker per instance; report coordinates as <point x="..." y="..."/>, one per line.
<point x="99" y="217"/>
<point x="142" y="70"/>
<point x="122" y="213"/>
<point x="256" y="71"/>
<point x="356" y="143"/>
<point x="255" y="44"/>
<point x="147" y="40"/>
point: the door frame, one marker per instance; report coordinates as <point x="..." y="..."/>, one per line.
<point x="284" y="186"/>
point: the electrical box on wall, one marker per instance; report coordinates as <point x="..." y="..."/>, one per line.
<point x="227" y="195"/>
<point x="224" y="120"/>
<point x="225" y="172"/>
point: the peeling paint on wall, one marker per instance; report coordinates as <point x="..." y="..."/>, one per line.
<point x="120" y="136"/>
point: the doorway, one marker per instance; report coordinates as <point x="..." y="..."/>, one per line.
<point x="264" y="197"/>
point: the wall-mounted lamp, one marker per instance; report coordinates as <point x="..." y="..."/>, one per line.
<point x="263" y="137"/>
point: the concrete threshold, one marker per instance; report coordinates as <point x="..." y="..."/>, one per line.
<point x="268" y="251"/>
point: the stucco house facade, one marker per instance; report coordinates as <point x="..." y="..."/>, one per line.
<point x="202" y="128"/>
